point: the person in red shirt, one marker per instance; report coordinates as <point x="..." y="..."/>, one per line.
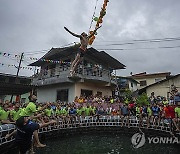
<point x="171" y="111"/>
<point x="169" y="114"/>
<point x="166" y="112"/>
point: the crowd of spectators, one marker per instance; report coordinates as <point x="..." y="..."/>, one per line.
<point x="157" y="111"/>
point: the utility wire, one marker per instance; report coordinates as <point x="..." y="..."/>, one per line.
<point x="132" y="43"/>
<point x="162" y="47"/>
<point x="45" y="50"/>
<point x="140" y="41"/>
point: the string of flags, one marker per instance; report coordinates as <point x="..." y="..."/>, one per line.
<point x="10" y="55"/>
<point x="55" y="61"/>
<point x="98" y="20"/>
<point x="5" y="54"/>
<point x="12" y="65"/>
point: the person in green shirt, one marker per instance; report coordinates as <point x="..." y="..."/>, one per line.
<point x="29" y="110"/>
<point x="138" y="111"/>
<point x="92" y="110"/>
<point x="83" y="109"/>
<point x="57" y="112"/>
<point x="79" y="113"/>
<point x="111" y="100"/>
<point x="64" y="115"/>
<point x="149" y="116"/>
<point x="87" y="111"/>
<point x="5" y="115"/>
<point x="176" y="120"/>
<point x="15" y="113"/>
<point x="48" y="112"/>
<point x="165" y="101"/>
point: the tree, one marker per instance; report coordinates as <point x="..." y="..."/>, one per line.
<point x="142" y="99"/>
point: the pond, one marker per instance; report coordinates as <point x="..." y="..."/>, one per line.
<point x="108" y="143"/>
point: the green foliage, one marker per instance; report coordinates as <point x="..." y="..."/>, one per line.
<point x="142" y="99"/>
<point x="128" y="96"/>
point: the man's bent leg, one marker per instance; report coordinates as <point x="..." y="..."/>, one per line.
<point x="36" y="140"/>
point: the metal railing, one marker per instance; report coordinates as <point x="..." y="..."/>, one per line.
<point x="63" y="72"/>
<point x="89" y="121"/>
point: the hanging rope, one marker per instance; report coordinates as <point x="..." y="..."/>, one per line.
<point x="99" y="21"/>
<point x="93" y="15"/>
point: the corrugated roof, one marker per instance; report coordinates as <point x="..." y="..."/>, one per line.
<point x="15" y="89"/>
<point x="100" y="57"/>
<point x="142" y="75"/>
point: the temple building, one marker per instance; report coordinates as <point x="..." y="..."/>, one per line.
<point x="93" y="75"/>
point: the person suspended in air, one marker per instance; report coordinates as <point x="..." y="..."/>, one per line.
<point x="84" y="39"/>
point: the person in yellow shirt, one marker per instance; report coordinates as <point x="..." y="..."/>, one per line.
<point x="176" y="120"/>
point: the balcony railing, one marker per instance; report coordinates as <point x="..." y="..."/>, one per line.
<point x="61" y="74"/>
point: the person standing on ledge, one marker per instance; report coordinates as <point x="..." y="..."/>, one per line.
<point x="84" y="38"/>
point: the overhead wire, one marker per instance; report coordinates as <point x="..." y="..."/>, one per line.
<point x="142" y="41"/>
<point x="162" y="47"/>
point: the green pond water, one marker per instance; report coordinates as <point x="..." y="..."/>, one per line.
<point x="103" y="144"/>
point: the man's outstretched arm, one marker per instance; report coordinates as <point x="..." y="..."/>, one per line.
<point x="94" y="32"/>
<point x="76" y="35"/>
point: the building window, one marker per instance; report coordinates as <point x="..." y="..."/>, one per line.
<point x="62" y="95"/>
<point x="86" y="93"/>
<point x="157" y="79"/>
<point x="143" y="83"/>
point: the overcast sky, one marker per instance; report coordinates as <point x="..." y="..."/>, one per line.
<point x="31" y="26"/>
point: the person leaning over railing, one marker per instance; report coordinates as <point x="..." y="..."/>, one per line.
<point x="31" y="111"/>
<point x="24" y="132"/>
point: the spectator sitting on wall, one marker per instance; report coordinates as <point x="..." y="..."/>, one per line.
<point x="152" y="98"/>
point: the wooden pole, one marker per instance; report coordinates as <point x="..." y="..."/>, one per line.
<point x="18" y="69"/>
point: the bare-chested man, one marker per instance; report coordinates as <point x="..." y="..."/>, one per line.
<point x="84" y="38"/>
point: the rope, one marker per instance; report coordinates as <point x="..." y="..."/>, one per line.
<point x="93" y="16"/>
